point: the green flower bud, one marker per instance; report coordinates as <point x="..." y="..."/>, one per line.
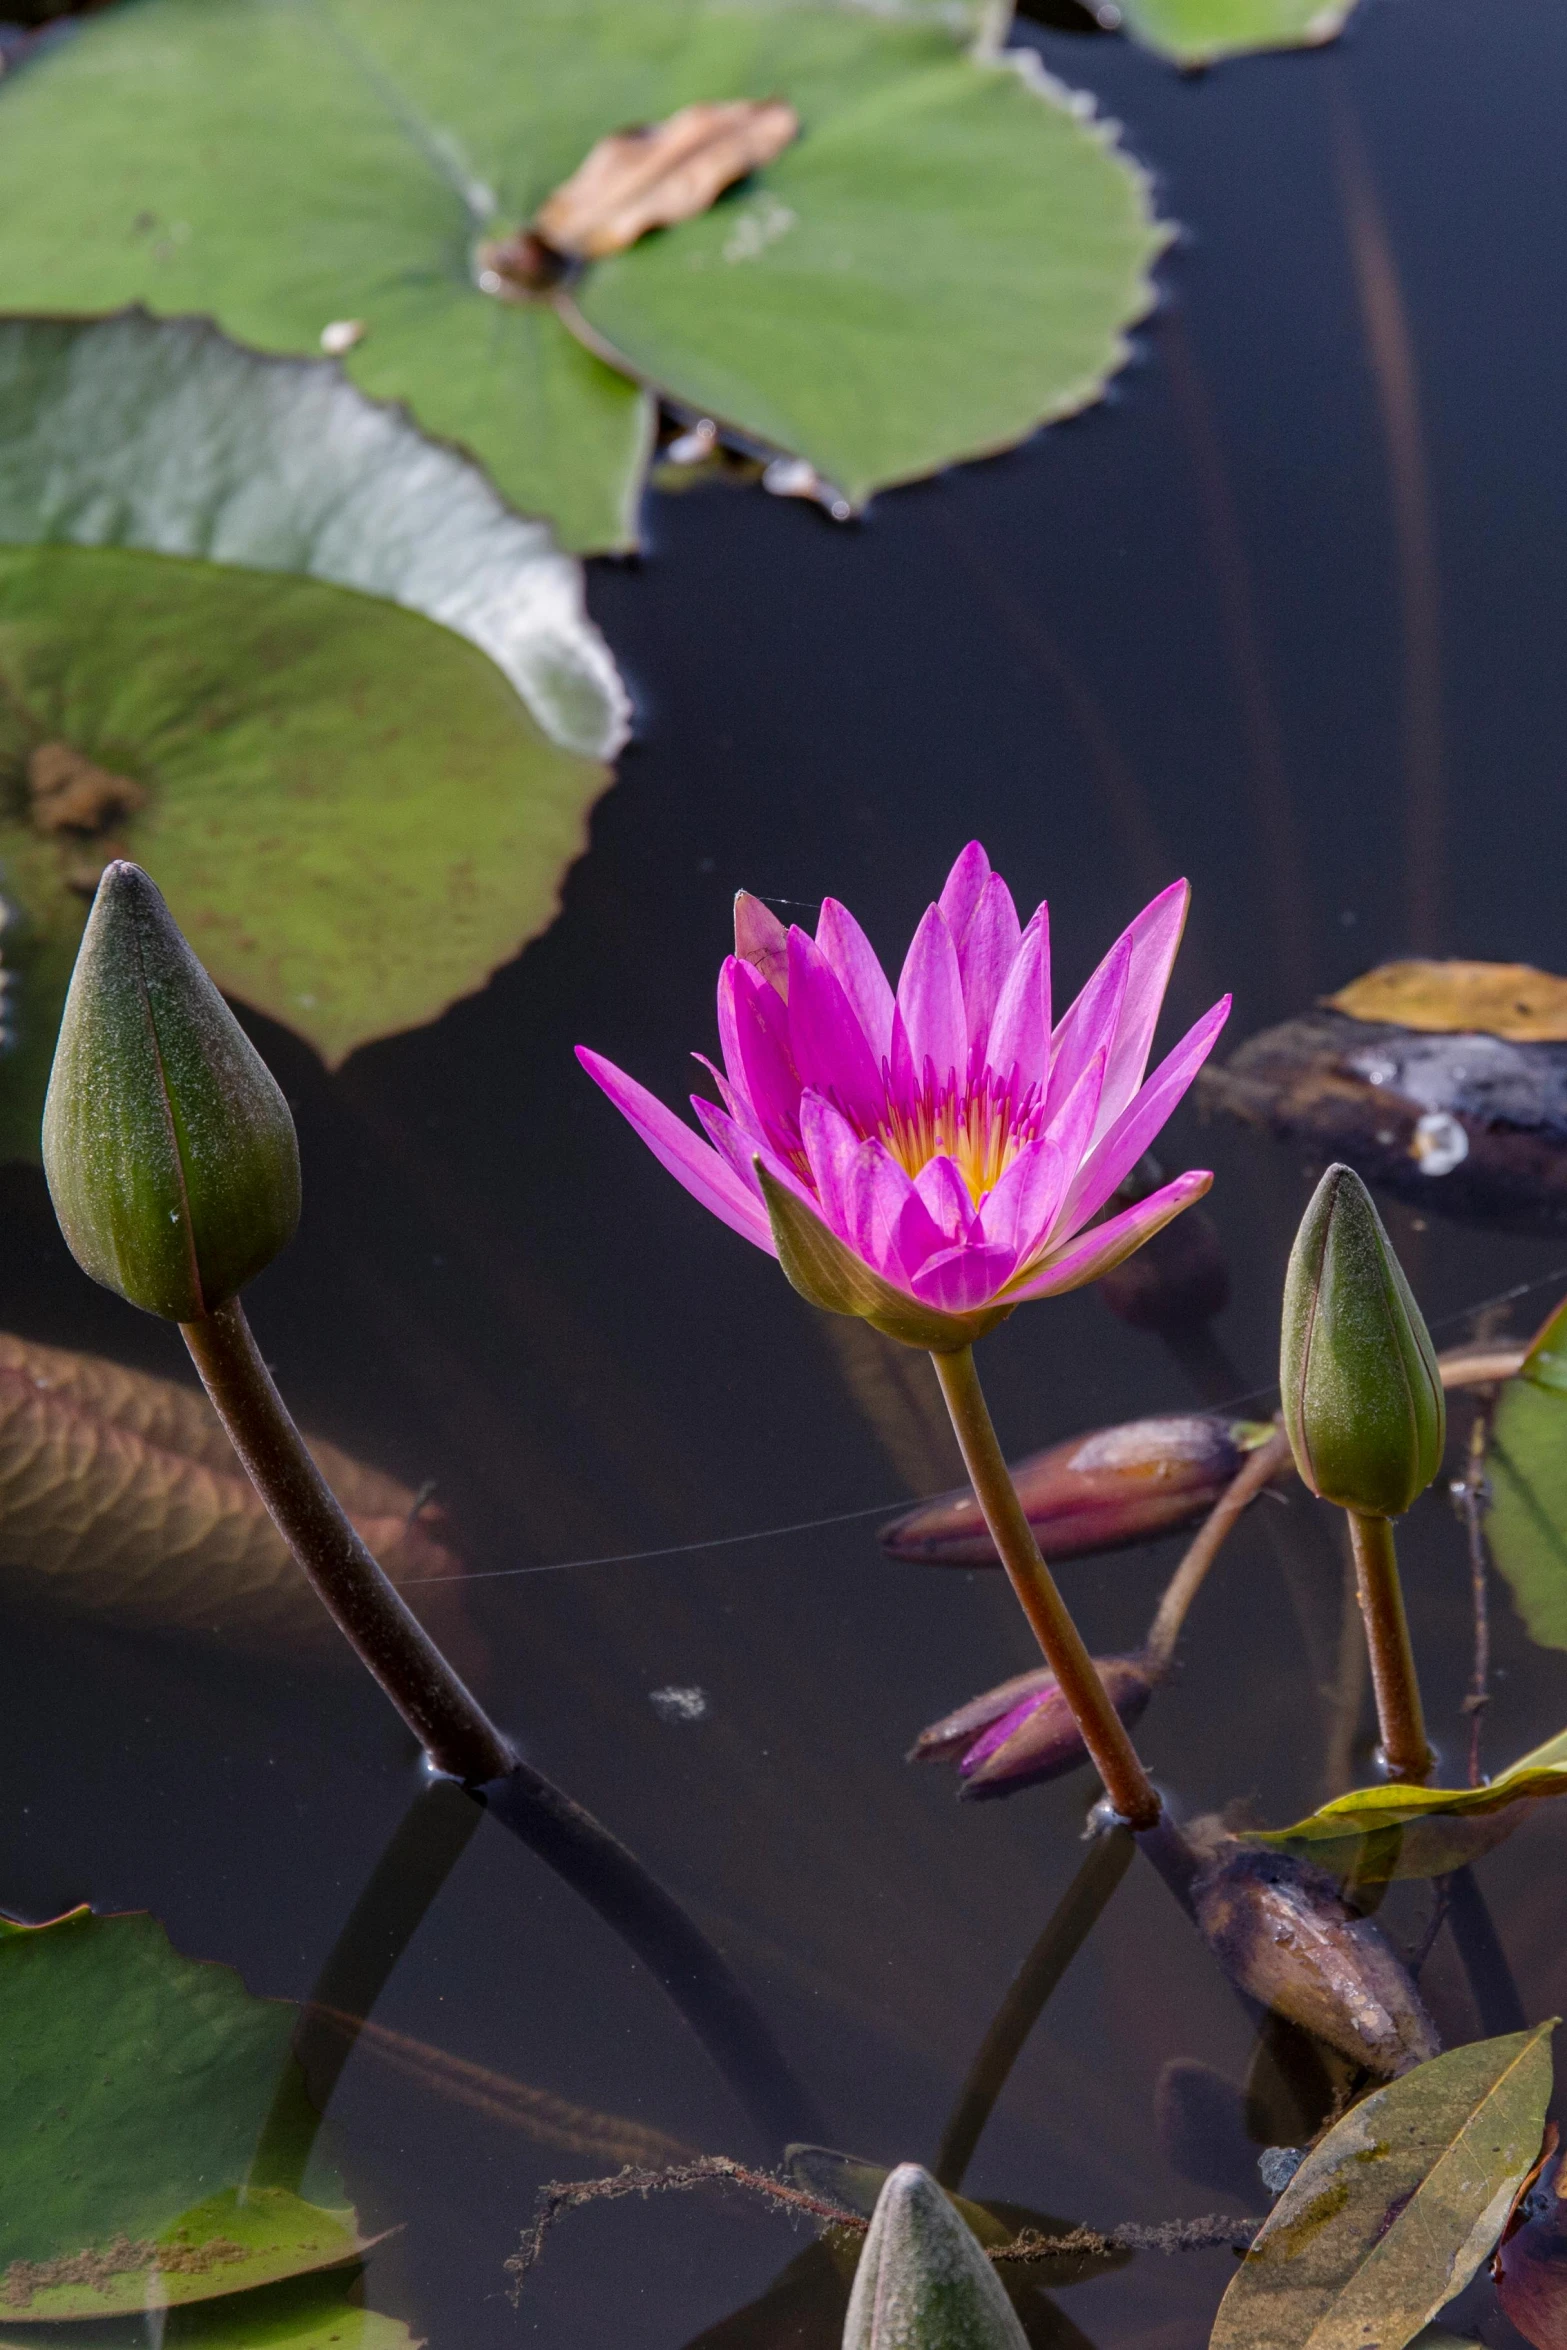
<point x="169" y="1150"/>
<point x="1362" y="1393"/>
<point x="923" y="2282"/>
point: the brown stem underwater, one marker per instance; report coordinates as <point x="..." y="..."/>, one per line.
<point x="1406" y="1751"/>
<point x="444" y="1715"/>
<point x="1127" y="1784"/>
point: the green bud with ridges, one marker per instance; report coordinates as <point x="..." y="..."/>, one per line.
<point x="169" y="1149"/>
<point x="1362" y="1394"/>
<point x="923" y="2282"/>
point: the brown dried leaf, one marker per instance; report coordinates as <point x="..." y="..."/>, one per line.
<point x="1511" y="1000"/>
<point x="661" y="173"/>
<point x="121" y="1494"/>
<point x="70" y="793"/>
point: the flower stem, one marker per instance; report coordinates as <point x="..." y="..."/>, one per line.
<point x="444" y="1715"/>
<point x="1406" y="1751"/>
<point x="1259" y="1469"/>
<point x="1127" y="1784"/>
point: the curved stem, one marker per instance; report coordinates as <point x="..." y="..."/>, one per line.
<point x="1127" y="1784"/>
<point x="1406" y="1751"/>
<point x="1259" y="1469"/>
<point x="461" y="1740"/>
<point x="443" y="1714"/>
<point x="1071" y="1922"/>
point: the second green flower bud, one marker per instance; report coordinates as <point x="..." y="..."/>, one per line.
<point x="1362" y="1393"/>
<point x="168" y="1147"/>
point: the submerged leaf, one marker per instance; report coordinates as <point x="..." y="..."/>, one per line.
<point x="352" y="815"/>
<point x="313" y="2312"/>
<point x="666" y="172"/>
<point x="133" y="2086"/>
<point x="1392" y="2214"/>
<point x="121" y="1494"/>
<point x="948" y="256"/>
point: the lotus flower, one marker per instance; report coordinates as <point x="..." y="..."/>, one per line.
<point x="933" y="1158"/>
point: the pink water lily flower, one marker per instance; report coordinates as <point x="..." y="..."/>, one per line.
<point x="931" y="1159"/>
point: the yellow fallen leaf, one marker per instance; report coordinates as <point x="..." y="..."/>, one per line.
<point x="1511" y="1000"/>
<point x="669" y="171"/>
<point x="120" y="1494"/>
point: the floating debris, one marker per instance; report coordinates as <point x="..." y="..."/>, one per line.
<point x="1458" y="1103"/>
<point x="1104" y="1491"/>
<point x="678" y="1705"/>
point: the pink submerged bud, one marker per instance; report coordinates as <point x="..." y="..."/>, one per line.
<point x="1022" y="1733"/>
<point x="1104" y="1491"/>
<point x="931" y="1158"/>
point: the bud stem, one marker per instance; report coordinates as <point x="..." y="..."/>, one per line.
<point x="1406" y="1752"/>
<point x="445" y="1717"/>
<point x="1127" y="1784"/>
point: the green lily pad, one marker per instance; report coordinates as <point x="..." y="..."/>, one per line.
<point x="1526" y="1466"/>
<point x="164" y="435"/>
<point x="948" y="256"/>
<point x="1199" y="32"/>
<point x="308" y="2313"/>
<point x="1391" y="2215"/>
<point x="133" y="2087"/>
<point x="1376" y="1834"/>
<point x="350" y="811"/>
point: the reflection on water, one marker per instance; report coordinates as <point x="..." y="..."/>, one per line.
<point x="1180" y="634"/>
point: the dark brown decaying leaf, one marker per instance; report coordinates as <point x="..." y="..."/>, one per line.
<point x="120" y="1493"/>
<point x="1282" y="1934"/>
<point x="661" y="173"/>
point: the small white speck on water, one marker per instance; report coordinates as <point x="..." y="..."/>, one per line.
<point x="678" y="1705"/>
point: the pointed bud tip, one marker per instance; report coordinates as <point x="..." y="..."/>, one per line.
<point x="168" y="1148"/>
<point x="923" y="2281"/>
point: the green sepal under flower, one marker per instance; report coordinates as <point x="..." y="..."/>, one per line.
<point x="169" y="1149"/>
<point x="1362" y="1394"/>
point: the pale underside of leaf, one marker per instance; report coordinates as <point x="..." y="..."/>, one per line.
<point x="164" y="435"/>
<point x="1391" y="2215"/>
<point x="120" y="1495"/>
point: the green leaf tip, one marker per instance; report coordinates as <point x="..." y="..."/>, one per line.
<point x="168" y="1148"/>
<point x="923" y="2283"/>
<point x="1362" y="1394"/>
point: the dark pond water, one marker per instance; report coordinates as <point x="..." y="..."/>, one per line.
<point x="1236" y="623"/>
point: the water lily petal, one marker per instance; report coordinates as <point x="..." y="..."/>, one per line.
<point x="1153" y="939"/>
<point x="762" y="941"/>
<point x="833" y="1148"/>
<point x="1089" y="1026"/>
<point x="940" y="1185"/>
<point x="851" y="956"/>
<point x="828" y="1042"/>
<point x="690" y="1160"/>
<point x="753" y="1031"/>
<point x="963" y="888"/>
<point x="987" y="949"/>
<point x="1019" y="1212"/>
<point x="956" y="1280"/>
<point x="1108" y="1244"/>
<point x="729" y="1139"/>
<point x="930" y="998"/>
<point x="1118" y="1151"/>
<point x="1020" y="1031"/>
